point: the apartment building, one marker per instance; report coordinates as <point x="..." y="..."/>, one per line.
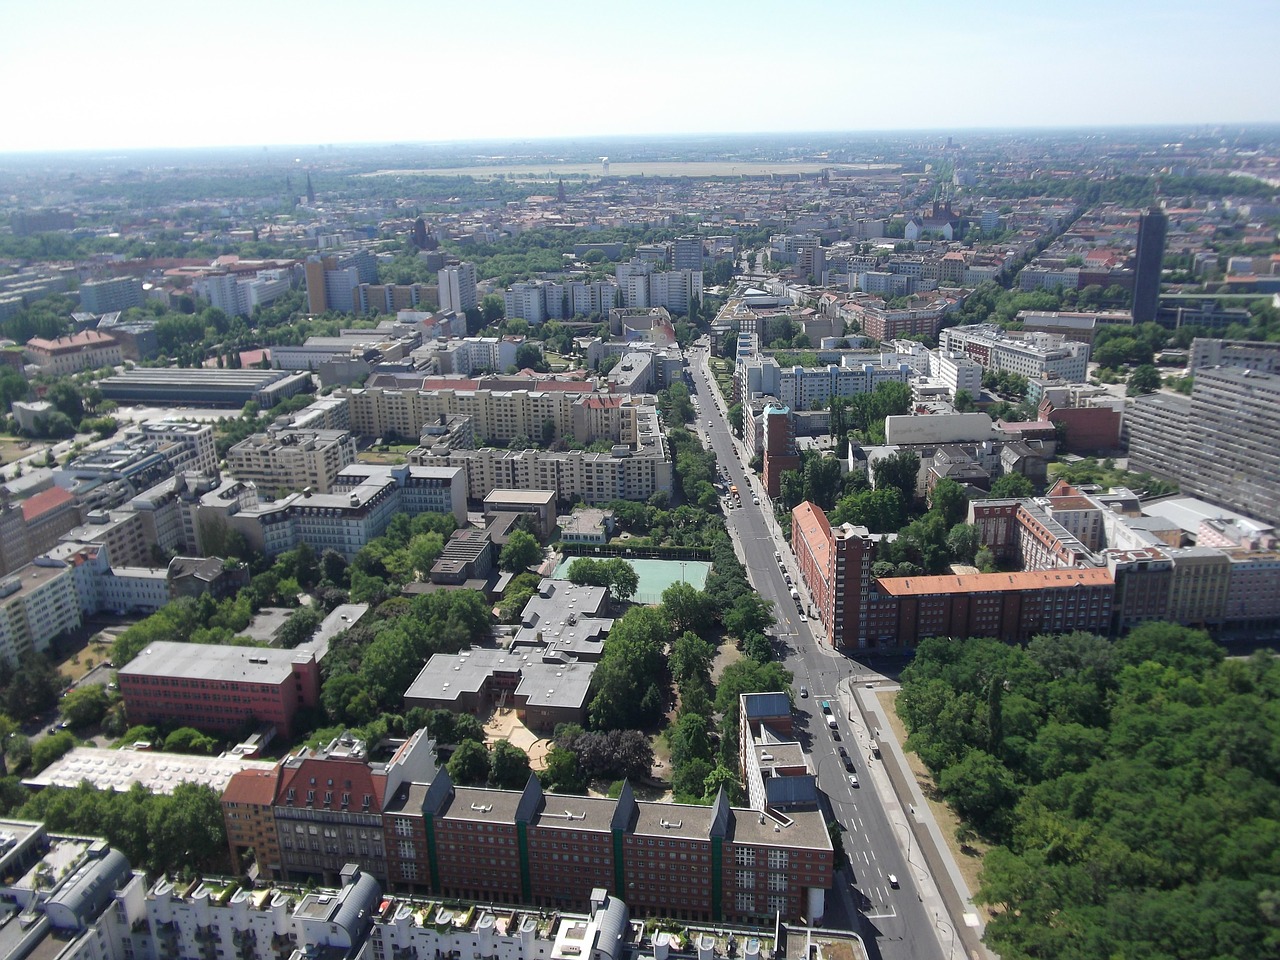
<point x="1032" y="355"/>
<point x="86" y="350"/>
<point x="332" y="281"/>
<point x="362" y="503"/>
<point x="237" y="295"/>
<point x="186" y="444"/>
<point x="803" y="388"/>
<point x="409" y="824"/>
<point x="458" y="288"/>
<point x="1233" y="415"/>
<point x="38" y="603"/>
<point x="109" y="296"/>
<point x="214" y="687"/>
<point x="288" y="461"/>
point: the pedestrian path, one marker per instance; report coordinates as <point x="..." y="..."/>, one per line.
<point x="871" y="722"/>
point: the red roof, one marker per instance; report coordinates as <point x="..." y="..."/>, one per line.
<point x="35" y="507"/>
<point x="252" y="786"/>
<point x="994" y="582"/>
<point x="326" y="781"/>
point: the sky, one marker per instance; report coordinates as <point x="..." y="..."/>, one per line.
<point x="92" y="75"/>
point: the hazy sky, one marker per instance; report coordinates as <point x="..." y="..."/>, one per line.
<point x="93" y="74"/>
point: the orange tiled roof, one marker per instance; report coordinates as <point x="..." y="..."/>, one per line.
<point x="993" y="582"/>
<point x="43" y="502"/>
<point x="252" y="786"/>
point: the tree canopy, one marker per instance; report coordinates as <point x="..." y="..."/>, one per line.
<point x="1131" y="787"/>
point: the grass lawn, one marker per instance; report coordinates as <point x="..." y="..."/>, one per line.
<point x="82" y="661"/>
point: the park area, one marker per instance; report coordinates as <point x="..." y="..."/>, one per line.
<point x="655" y="575"/>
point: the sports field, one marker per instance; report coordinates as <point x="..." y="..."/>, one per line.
<point x="656" y="575"/>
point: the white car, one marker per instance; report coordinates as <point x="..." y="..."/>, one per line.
<point x="853" y="780"/>
<point x="893" y="880"/>
<point x="756" y="501"/>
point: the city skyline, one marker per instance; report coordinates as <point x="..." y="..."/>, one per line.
<point x="253" y="76"/>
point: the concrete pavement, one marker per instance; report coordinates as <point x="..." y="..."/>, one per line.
<point x="892" y="833"/>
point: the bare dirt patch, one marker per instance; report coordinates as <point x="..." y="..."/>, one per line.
<point x="968" y="856"/>
<point x="726" y="654"/>
<point x="505" y="725"/>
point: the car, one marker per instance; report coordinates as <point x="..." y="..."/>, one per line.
<point x="755" y="500"/>
<point x="804" y="693"/>
<point x="893" y="880"/>
<point x="787" y="577"/>
<point x="853" y="780"/>
<point x="844" y="752"/>
<point x="53" y="729"/>
<point x="835" y="733"/>
<point x="848" y="763"/>
<point x="803" y="618"/>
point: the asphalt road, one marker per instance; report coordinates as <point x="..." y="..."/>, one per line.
<point x="893" y="922"/>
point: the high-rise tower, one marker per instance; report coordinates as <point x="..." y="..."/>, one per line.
<point x="1148" y="264"/>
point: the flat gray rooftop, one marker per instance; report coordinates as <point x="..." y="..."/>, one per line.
<point x="205" y="661"/>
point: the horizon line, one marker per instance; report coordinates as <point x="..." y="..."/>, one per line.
<point x="1187" y="126"/>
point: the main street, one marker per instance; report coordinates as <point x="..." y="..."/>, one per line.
<point x="895" y="922"/>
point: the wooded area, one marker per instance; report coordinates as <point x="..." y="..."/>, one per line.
<point x="1131" y="786"/>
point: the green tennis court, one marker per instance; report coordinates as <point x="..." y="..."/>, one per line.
<point x="656" y="575"/>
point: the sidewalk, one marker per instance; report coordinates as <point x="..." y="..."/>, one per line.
<point x="917" y="832"/>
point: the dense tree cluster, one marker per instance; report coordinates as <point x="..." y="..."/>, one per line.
<point x="180" y="834"/>
<point x="370" y="666"/>
<point x="615" y="574"/>
<point x="1132" y="787"/>
<point x="695" y="468"/>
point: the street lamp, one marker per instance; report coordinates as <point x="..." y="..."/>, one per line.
<point x="951" y="933"/>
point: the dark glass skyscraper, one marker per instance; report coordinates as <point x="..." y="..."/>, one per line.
<point x="1148" y="264"/>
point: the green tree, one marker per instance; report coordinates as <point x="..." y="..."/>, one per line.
<point x="736" y="418"/>
<point x="562" y="773"/>
<point x="622" y="579"/>
<point x="508" y="767"/>
<point x="300" y="627"/>
<point x="50" y="749"/>
<point x="1144" y="379"/>
<point x="85" y="706"/>
<point x="529" y="356"/>
<point x="950" y="500"/>
<point x="469" y="765"/>
<point x="964" y="402"/>
<point x="521" y="552"/>
<point x="963" y="542"/>
<point x="898" y="470"/>
<point x="1011" y="486"/>
<point x="685" y="608"/>
<point x="492" y="309"/>
<point x="691" y="657"/>
<point x="190" y="740"/>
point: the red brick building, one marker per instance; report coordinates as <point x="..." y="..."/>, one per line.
<point x="861" y="612"/>
<point x="412" y="828"/>
<point x="780" y="451"/>
<point x="1009" y="606"/>
<point x="247" y="813"/>
<point x="215" y="687"/>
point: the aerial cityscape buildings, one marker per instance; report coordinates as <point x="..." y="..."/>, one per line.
<point x="514" y="549"/>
